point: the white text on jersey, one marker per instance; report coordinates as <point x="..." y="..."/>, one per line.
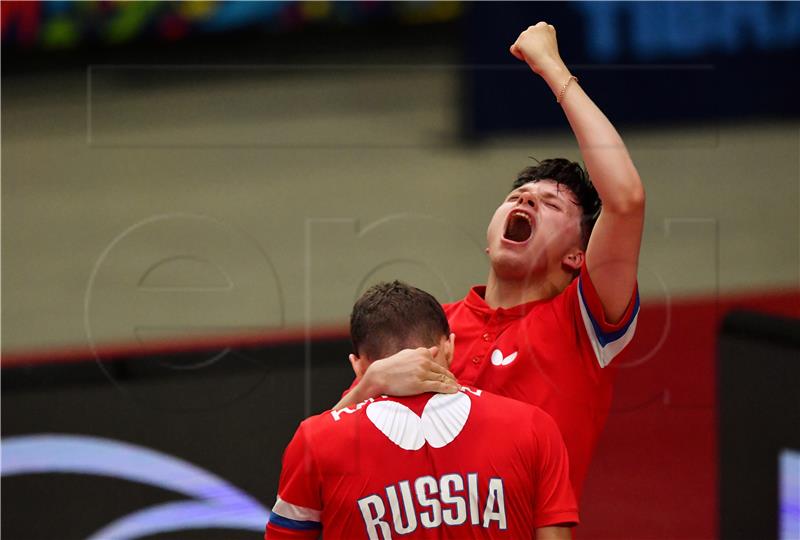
<point x="451" y="500"/>
<point x="337" y="415"/>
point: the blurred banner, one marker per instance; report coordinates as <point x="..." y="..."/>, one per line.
<point x="644" y="62"/>
<point x="64" y="25"/>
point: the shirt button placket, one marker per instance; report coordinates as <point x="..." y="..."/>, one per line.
<point x="486" y="337"/>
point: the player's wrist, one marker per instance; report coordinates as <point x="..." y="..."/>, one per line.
<point x="372" y="383"/>
<point x="555" y="73"/>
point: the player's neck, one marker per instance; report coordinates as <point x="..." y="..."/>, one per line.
<point x="507" y="293"/>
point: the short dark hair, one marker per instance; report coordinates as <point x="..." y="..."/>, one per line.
<point x="571" y="175"/>
<point x="393" y="316"/>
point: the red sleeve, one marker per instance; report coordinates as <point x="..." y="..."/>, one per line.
<point x="607" y="339"/>
<point x="553" y="500"/>
<point x="298" y="509"/>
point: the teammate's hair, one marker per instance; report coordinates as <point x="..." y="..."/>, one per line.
<point x="571" y="175"/>
<point x="390" y="317"/>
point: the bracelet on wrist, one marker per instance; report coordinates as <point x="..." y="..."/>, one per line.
<point x="564" y="88"/>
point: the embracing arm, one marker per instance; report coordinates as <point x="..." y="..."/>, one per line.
<point x="406" y="373"/>
<point x="612" y="255"/>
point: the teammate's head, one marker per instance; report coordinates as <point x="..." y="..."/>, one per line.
<point x="545" y="222"/>
<point x="390" y="317"/>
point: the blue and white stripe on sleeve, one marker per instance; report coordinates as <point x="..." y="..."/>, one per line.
<point x="291" y="516"/>
<point x="607" y="343"/>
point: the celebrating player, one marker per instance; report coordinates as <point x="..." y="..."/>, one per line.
<point x="561" y="300"/>
<point x="464" y="465"/>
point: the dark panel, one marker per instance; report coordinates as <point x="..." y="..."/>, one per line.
<point x="642" y="62"/>
<point x="759" y="416"/>
<point x="231" y="418"/>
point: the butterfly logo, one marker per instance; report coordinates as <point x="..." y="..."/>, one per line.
<point x="499" y="360"/>
<point x="443" y="418"/>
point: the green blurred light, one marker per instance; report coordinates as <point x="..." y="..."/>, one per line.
<point x="60" y="33"/>
<point x="128" y="20"/>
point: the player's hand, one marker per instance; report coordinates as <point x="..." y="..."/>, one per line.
<point x="410" y="372"/>
<point x="537" y="46"/>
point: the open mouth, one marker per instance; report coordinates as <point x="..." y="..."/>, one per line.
<point x="518" y="227"/>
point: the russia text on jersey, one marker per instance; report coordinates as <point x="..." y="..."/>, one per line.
<point x="450" y="500"/>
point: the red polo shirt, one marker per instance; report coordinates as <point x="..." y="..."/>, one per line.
<point x="464" y="465"/>
<point x="555" y="354"/>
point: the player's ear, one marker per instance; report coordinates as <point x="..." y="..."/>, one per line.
<point x="573" y="260"/>
<point x="358" y="365"/>
<point x="448" y="346"/>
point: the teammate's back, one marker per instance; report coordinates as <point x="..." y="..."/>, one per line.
<point x="464" y="465"/>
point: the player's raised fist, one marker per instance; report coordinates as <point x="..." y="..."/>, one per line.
<point x="537" y="46"/>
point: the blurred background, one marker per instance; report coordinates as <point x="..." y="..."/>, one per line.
<point x="194" y="194"/>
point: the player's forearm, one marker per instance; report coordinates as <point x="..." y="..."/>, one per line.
<point x="607" y="160"/>
<point x="553" y="533"/>
<point x="406" y="373"/>
<point x="364" y="389"/>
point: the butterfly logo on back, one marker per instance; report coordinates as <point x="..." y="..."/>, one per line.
<point x="499" y="360"/>
<point x="442" y="420"/>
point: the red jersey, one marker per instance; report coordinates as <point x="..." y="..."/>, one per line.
<point x="463" y="465"/>
<point x="553" y="353"/>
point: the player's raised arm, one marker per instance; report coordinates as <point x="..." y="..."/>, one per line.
<point x="613" y="252"/>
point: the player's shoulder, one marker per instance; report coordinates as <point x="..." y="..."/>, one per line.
<point x="452" y="307"/>
<point x="560" y="305"/>
<point x="314" y="424"/>
<point x="500" y="405"/>
<point x="568" y="294"/>
<point x="558" y="309"/>
<point x="331" y="428"/>
<point x="511" y="407"/>
<point x="339" y="423"/>
<point x="334" y="418"/>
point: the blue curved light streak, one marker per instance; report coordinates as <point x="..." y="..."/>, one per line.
<point x="218" y="504"/>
